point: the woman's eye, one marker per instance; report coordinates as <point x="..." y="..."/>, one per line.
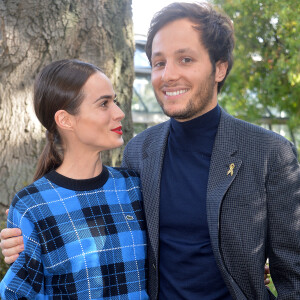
<point x="104" y="104"/>
<point x="116" y="102"/>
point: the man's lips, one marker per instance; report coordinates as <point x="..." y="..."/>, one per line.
<point x="177" y="92"/>
<point x="118" y="130"/>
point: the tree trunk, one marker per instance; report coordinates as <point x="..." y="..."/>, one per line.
<point x="32" y="34"/>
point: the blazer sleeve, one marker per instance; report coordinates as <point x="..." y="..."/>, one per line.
<point x="25" y="278"/>
<point x="283" y="203"/>
<point x="125" y="162"/>
<point x="131" y="156"/>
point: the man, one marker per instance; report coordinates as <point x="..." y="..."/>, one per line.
<point x="220" y="195"/>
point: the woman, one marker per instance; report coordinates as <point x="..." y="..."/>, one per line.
<point x="82" y="222"/>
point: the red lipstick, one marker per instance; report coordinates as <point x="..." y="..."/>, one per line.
<point x="118" y="130"/>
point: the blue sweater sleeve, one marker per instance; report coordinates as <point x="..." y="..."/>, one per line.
<point x="25" y="278"/>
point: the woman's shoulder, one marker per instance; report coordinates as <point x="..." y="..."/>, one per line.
<point x="123" y="176"/>
<point x="30" y="194"/>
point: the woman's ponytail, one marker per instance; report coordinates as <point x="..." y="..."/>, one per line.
<point x="51" y="156"/>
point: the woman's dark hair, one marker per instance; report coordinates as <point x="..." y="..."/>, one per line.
<point x="58" y="86"/>
<point x="216" y="30"/>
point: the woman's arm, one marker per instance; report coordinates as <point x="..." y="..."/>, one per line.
<point x="25" y="278"/>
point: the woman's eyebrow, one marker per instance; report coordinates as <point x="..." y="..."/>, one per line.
<point x="106" y="97"/>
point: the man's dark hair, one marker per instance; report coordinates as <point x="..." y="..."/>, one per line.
<point x="216" y="30"/>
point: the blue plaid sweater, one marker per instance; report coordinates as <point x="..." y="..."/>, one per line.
<point x="84" y="239"/>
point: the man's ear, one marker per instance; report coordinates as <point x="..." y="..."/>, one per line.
<point x="63" y="120"/>
<point x="221" y="69"/>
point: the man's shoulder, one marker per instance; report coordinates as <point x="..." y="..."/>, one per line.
<point x="149" y="141"/>
<point x="250" y="136"/>
<point x="119" y="172"/>
<point x="252" y="131"/>
<point x="151" y="133"/>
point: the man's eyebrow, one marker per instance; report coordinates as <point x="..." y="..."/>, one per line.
<point x="178" y="51"/>
<point x="183" y="50"/>
<point x="108" y="97"/>
<point x="155" y="54"/>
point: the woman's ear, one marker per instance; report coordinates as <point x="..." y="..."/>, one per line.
<point x="63" y="120"/>
<point x="221" y="69"/>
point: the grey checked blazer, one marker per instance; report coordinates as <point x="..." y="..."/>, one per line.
<point x="252" y="214"/>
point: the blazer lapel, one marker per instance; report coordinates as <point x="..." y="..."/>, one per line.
<point x="151" y="176"/>
<point x="223" y="170"/>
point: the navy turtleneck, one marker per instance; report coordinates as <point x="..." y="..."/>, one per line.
<point x="187" y="265"/>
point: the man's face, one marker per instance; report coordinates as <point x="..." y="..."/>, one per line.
<point x="183" y="79"/>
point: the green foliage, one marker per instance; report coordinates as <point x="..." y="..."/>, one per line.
<point x="271" y="285"/>
<point x="3" y="267"/>
<point x="265" y="80"/>
<point x="272" y="288"/>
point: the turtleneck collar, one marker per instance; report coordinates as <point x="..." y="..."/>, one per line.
<point x="193" y="135"/>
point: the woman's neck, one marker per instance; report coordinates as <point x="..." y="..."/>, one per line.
<point x="80" y="165"/>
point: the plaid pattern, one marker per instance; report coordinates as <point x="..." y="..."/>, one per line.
<point x="80" y="243"/>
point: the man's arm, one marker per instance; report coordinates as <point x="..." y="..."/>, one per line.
<point x="11" y="243"/>
<point x="283" y="200"/>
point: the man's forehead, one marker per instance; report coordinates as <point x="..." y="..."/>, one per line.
<point x="172" y="29"/>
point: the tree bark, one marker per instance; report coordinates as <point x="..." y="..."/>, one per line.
<point x="32" y="34"/>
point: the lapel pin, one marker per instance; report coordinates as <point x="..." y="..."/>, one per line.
<point x="230" y="171"/>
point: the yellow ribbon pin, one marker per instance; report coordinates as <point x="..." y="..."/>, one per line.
<point x="230" y="171"/>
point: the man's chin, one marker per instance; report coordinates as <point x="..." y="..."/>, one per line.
<point x="178" y="115"/>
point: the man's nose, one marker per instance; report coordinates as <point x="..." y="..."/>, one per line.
<point x="170" y="72"/>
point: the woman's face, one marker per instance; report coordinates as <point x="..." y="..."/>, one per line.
<point x="97" y="125"/>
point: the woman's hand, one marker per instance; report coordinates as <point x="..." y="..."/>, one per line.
<point x="266" y="277"/>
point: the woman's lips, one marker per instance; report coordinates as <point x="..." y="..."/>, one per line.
<point x="118" y="130"/>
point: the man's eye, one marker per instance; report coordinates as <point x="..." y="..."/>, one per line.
<point x="158" y="64"/>
<point x="186" y="60"/>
